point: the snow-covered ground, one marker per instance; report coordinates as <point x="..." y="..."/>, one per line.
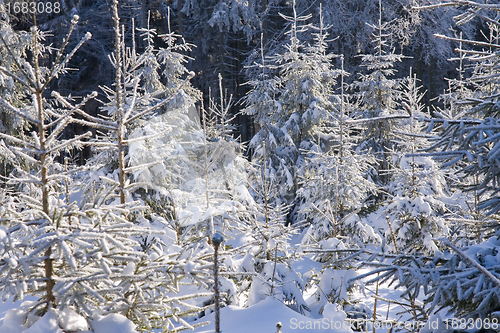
<point x="261" y="317"/>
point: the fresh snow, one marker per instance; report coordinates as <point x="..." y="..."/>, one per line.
<point x="263" y="317"/>
<point x="55" y="321"/>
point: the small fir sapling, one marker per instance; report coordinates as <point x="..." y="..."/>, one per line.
<point x="267" y="252"/>
<point x="37" y="207"/>
<point x="471" y="142"/>
<point x="200" y="176"/>
<point x="416" y="208"/>
<point x="334" y="189"/>
<point x="467" y="223"/>
<point x="334" y="183"/>
<point x="129" y="107"/>
<point x="70" y="258"/>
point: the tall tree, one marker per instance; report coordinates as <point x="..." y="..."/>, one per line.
<point x="379" y="105"/>
<point x="299" y="93"/>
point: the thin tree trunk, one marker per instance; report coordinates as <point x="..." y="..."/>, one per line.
<point x="48" y="262"/>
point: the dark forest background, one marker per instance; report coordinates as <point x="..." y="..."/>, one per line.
<point x="227" y="36"/>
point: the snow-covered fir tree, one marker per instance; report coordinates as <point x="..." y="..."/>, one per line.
<point x="267" y="252"/>
<point x="292" y="97"/>
<point x="334" y="183"/>
<point x="73" y="258"/>
<point x="416" y="209"/>
<point x="85" y="256"/>
<point x="379" y="94"/>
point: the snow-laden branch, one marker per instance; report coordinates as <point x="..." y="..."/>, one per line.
<point x="96" y="144"/>
<point x="109" y="180"/>
<point x="370" y="252"/>
<point x="364" y="120"/>
<point x="453" y="121"/>
<point x="473" y="42"/>
<point x="148" y="137"/>
<point x="134" y="98"/>
<point x="30" y="84"/>
<point x="141" y="166"/>
<point x="494" y="7"/>
<point x="17" y="140"/>
<point x="473" y="263"/>
<point x="17" y="78"/>
<point x="21" y="154"/>
<point x="67" y="143"/>
<point x="97" y="122"/>
<point x="71" y="111"/>
<point x="92" y="124"/>
<point x="18" y="112"/>
<point x="440" y="153"/>
<point x="32" y="180"/>
<point x="163" y="102"/>
<point x="57" y="69"/>
<point x="416" y="135"/>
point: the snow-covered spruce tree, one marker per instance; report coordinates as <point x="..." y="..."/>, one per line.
<point x="467" y="283"/>
<point x="334" y="185"/>
<point x="469" y="137"/>
<point x="190" y="175"/>
<point x="379" y="94"/>
<point x="467" y="224"/>
<point x="334" y="190"/>
<point x="208" y="191"/>
<point x="219" y="162"/>
<point x="471" y="141"/>
<point x="150" y="276"/>
<point x="297" y="87"/>
<point x="185" y="174"/>
<point x="415" y="210"/>
<point x="50" y="249"/>
<point x="36" y="209"/>
<point x="267" y="252"/>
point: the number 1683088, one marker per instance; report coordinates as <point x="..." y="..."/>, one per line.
<point x="33" y="7"/>
<point x="470" y="323"/>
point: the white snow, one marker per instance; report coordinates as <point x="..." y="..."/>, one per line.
<point x="112" y="323"/>
<point x="72" y="321"/>
<point x="263" y="317"/>
<point x="47" y="324"/>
